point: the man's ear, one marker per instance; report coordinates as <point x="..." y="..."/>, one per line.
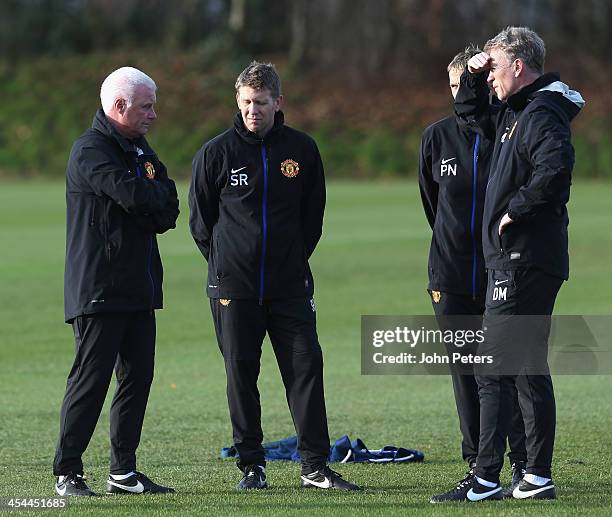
<point x="279" y="103"/>
<point x="120" y="105"/>
<point x="238" y="99"/>
<point x="517" y="67"/>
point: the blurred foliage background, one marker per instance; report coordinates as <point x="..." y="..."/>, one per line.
<point x="364" y="77"/>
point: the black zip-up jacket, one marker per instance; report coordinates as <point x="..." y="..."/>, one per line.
<point x="116" y="200"/>
<point x="453" y="173"/>
<point x="530" y="173"/>
<point x="257" y="211"/>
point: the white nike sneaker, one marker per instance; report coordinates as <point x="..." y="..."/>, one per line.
<point x="527" y="490"/>
<point x="137" y="483"/>
<point x="326" y="478"/>
<point x="469" y="489"/>
<point x="73" y="485"/>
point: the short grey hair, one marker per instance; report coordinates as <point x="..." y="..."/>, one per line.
<point x="260" y="76"/>
<point x="520" y="43"/>
<point x="122" y="83"/>
<point x="460" y="61"/>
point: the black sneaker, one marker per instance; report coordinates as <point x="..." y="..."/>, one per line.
<point x="73" y="485"/>
<point x="254" y="478"/>
<point x="137" y="483"/>
<point x="469" y="489"/>
<point x="450" y="495"/>
<point x="518" y="473"/>
<point x="326" y="478"/>
<point x="526" y="490"/>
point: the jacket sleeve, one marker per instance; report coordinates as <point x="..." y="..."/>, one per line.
<point x="161" y="222"/>
<point x="166" y="219"/>
<point x="136" y="195"/>
<point x="427" y="185"/>
<point x="472" y="100"/>
<point x="203" y="202"/>
<point x="313" y="204"/>
<point x="547" y="140"/>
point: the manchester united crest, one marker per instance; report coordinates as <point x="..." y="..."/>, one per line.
<point x="435" y="296"/>
<point x="150" y="170"/>
<point x="290" y="168"/>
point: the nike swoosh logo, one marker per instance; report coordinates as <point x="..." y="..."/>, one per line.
<point x="138" y="488"/>
<point x="524" y="494"/>
<point x="61" y="491"/>
<point x="238" y="170"/>
<point x="323" y="484"/>
<point x="497" y="282"/>
<point x="473" y="496"/>
<point x="446" y="161"/>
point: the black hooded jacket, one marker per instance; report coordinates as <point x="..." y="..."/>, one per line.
<point x="453" y="173"/>
<point x="530" y="173"/>
<point x="257" y="211"/>
<point x="116" y="200"/>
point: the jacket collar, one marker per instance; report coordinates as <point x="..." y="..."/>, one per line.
<point x="519" y="100"/>
<point x="102" y="124"/>
<point x="252" y="138"/>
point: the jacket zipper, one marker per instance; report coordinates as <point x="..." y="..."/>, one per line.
<point x="473" y="229"/>
<point x="499" y="237"/>
<point x="139" y="174"/>
<point x="264" y="217"/>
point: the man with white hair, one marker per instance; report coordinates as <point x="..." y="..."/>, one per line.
<point x="118" y="197"/>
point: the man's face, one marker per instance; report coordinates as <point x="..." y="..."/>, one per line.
<point x="502" y="76"/>
<point x="257" y="108"/>
<point x="136" y="120"/>
<point x="453" y="80"/>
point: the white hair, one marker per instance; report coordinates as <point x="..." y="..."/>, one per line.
<point x="121" y="84"/>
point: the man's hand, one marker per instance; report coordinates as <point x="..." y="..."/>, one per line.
<point x="479" y="63"/>
<point x="505" y="221"/>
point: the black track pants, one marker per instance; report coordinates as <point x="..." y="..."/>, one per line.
<point x="518" y="308"/>
<point x="241" y="326"/>
<point x="124" y="342"/>
<point x="464" y="382"/>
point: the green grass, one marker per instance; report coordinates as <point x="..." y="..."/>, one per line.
<point x="372" y="260"/>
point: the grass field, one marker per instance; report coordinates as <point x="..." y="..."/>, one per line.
<point x="372" y="260"/>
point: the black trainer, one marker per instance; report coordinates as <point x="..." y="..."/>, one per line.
<point x="326" y="478"/>
<point x="450" y="495"/>
<point x="254" y="478"/>
<point x="526" y="490"/>
<point x="137" y="483"/>
<point x="469" y="489"/>
<point x="518" y="473"/>
<point x="73" y="485"/>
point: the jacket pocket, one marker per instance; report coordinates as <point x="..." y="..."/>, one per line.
<point x="500" y="238"/>
<point x="105" y="232"/>
<point x="215" y="253"/>
<point x="92" y="215"/>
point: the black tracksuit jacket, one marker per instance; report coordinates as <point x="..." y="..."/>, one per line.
<point x="116" y="202"/>
<point x="453" y="172"/>
<point x="530" y="173"/>
<point x="257" y="211"/>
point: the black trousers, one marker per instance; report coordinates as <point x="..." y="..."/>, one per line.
<point x="518" y="308"/>
<point x="241" y="326"/>
<point x="124" y="342"/>
<point x="464" y="382"/>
